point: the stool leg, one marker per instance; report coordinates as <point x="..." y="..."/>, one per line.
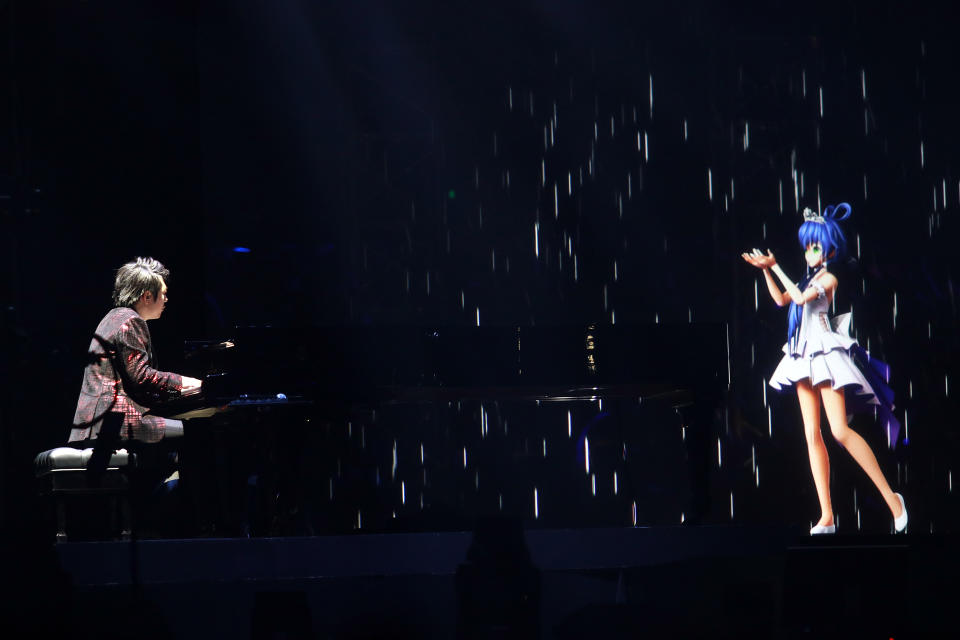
<point x="125" y="517"/>
<point x="61" y="509"/>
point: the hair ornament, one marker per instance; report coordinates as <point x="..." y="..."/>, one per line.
<point x="832" y="212"/>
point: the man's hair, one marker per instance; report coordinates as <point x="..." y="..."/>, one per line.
<point x="133" y="278"/>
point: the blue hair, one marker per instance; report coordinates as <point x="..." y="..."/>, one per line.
<point x="831" y="240"/>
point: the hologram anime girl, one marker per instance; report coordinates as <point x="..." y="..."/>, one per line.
<point x="821" y="361"/>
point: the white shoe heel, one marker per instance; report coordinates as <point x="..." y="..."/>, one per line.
<point x="821" y="529"/>
<point x="899" y="524"/>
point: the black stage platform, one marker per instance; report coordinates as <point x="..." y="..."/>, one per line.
<point x="662" y="582"/>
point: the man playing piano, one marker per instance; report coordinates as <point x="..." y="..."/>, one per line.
<point x="120" y="376"/>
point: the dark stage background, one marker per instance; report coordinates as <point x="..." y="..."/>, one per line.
<point x="496" y="164"/>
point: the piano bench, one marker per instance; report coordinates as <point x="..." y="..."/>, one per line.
<point x="63" y="475"/>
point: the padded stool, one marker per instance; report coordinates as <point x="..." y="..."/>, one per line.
<point x="63" y="472"/>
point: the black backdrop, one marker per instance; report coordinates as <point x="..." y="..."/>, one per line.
<point x="496" y="163"/>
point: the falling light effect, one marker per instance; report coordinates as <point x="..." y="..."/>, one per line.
<point x="651" y="96"/>
<point x="403" y="493"/>
<point x="616" y="487"/>
<point x="710" y="184"/>
<point x="719" y="454"/>
<point x="586" y="455"/>
<point x="569" y="425"/>
<point x="821" y="102"/>
<point x="536" y="503"/>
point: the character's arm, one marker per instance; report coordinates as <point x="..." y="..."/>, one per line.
<point x="827" y="283"/>
<point x="778" y="296"/>
<point x="768" y="263"/>
<point x="764" y="262"/>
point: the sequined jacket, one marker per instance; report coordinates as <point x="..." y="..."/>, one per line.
<point x="137" y="386"/>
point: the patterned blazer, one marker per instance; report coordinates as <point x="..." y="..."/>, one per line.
<point x="137" y="386"/>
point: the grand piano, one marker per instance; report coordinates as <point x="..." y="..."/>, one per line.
<point x="381" y="428"/>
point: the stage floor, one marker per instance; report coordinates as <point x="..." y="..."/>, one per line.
<point x="626" y="582"/>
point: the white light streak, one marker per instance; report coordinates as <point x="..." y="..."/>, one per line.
<point x="393" y="466"/>
<point x="821" y="102"/>
<point x="536" y="239"/>
<point x="863" y="82"/>
<point x="651" y="96"/>
<point x="536" y="503"/>
<point x="569" y="425"/>
<point x="719" y="454"/>
<point x="586" y="454"/>
<point x="478" y="316"/>
<point x="403" y="493"/>
<point x="464" y="457"/>
<point x="616" y="487"/>
<point x="593" y="484"/>
<point x="710" y="184"/>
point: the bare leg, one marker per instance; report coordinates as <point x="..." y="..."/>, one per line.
<point x="836" y="408"/>
<point x="819" y="460"/>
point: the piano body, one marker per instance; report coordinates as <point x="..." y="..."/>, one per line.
<point x="404" y="428"/>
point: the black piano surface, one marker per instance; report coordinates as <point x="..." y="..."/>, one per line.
<point x="417" y="429"/>
<point x="262" y="365"/>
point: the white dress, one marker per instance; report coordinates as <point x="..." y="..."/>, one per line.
<point x="821" y="352"/>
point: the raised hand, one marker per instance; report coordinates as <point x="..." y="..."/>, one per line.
<point x="759" y="260"/>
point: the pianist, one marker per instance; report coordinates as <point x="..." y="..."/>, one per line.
<point x="120" y="376"/>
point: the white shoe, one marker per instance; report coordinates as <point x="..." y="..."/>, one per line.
<point x="820" y="529"/>
<point x="899" y="524"/>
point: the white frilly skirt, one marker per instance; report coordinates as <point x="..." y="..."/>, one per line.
<point x="824" y="357"/>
